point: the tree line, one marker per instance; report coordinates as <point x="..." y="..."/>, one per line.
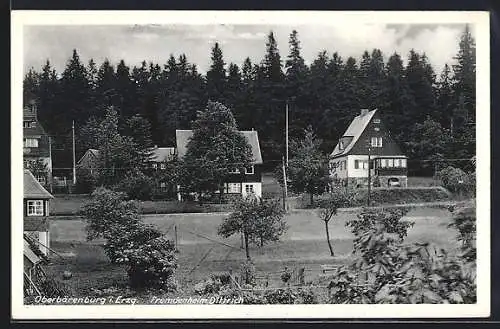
<point x="430" y="117"/>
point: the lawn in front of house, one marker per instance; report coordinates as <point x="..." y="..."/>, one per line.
<point x="304" y="245"/>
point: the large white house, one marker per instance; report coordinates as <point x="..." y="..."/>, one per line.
<point x="367" y="135"/>
<point x="249" y="182"/>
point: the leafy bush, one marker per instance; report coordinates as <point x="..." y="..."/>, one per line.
<point x="150" y="258"/>
<point x="86" y="182"/>
<point x="281" y="296"/>
<point x="457" y="181"/>
<point x="386" y="271"/>
<point x="137" y="186"/>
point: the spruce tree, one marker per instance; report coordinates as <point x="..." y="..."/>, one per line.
<point x="216" y="76"/>
<point x="464" y="79"/>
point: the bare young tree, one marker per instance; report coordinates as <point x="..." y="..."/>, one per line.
<point x="337" y="198"/>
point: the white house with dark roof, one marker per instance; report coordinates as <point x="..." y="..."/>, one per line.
<point x="365" y="135"/>
<point x="250" y="182"/>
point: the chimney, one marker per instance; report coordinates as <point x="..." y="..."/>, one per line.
<point x="364" y="112"/>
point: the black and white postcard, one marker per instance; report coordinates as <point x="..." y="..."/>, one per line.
<point x="250" y="164"/>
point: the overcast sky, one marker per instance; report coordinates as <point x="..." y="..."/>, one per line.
<point x="156" y="42"/>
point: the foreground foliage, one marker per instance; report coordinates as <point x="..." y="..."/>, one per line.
<point x="149" y="256"/>
<point x="388" y="271"/>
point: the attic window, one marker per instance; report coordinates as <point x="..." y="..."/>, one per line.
<point x="249" y="170"/>
<point x="376" y="120"/>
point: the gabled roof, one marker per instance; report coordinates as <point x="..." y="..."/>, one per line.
<point x="354" y="130"/>
<point x="33" y="189"/>
<point x="182" y="138"/>
<point x="161" y="154"/>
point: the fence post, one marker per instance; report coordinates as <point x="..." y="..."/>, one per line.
<point x="175" y="237"/>
<point x="301" y="276"/>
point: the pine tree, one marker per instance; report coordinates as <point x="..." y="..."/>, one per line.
<point x="445" y="101"/>
<point x="296" y="84"/>
<point x="216" y="76"/>
<point x="398" y="103"/>
<point x="106" y="86"/>
<point x="270" y="97"/>
<point x="419" y="78"/>
<point x="47" y="99"/>
<point x="75" y="91"/>
<point x="126" y="90"/>
<point x="30" y="86"/>
<point x="234" y="91"/>
<point x="464" y="79"/>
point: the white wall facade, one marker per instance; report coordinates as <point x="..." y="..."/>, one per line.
<point x="362" y="170"/>
<point x="339" y="167"/>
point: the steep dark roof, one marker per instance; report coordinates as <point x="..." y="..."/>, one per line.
<point x="183" y="136"/>
<point x="354" y="130"/>
<point x="33" y="189"/>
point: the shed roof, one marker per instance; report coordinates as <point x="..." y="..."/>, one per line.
<point x="33" y="189"/>
<point x="183" y="136"/>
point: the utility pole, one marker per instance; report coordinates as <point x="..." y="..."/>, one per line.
<point x="74" y="155"/>
<point x="285" y="192"/>
<point x="286" y="131"/>
<point x="369" y="172"/>
<point x="50" y="162"/>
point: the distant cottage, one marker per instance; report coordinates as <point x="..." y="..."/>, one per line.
<point x="365" y="135"/>
<point x="237" y="184"/>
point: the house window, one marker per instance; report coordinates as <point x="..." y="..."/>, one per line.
<point x="35" y="207"/>
<point x="397" y="163"/>
<point x="364" y="164"/>
<point x="249" y="188"/>
<point x="376" y="142"/>
<point x="376" y="120"/>
<point x="30" y="142"/>
<point x="41" y="179"/>
<point x="341" y="145"/>
<point x="356" y="164"/>
<point x="249" y="170"/>
<point x="234" y="171"/>
<point x="390" y="163"/>
<point x="403" y="163"/>
<point x="162" y="166"/>
<point x="163" y="187"/>
<point x="376" y="129"/>
<point x="26" y="124"/>
<point x="155" y="166"/>
<point x="383" y="163"/>
<point x="233" y="188"/>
